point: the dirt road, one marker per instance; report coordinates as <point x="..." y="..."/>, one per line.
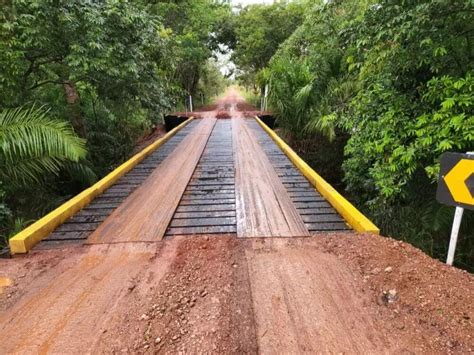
<point x="329" y="293"/>
<point x="228" y="295"/>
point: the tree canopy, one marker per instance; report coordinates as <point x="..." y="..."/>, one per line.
<point x="258" y="32"/>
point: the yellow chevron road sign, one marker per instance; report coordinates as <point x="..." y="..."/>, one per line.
<point x="456" y="180"/>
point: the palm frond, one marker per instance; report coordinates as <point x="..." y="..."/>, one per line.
<point x="29" y="170"/>
<point x="27" y="133"/>
<point x="32" y="144"/>
<point x="323" y="124"/>
<point x="81" y="172"/>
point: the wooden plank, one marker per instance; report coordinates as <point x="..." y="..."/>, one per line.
<point x="59" y="244"/>
<point x="214" y="175"/>
<point x="78" y="227"/>
<point x="336" y="226"/>
<point x="128" y="183"/>
<point x="86" y="219"/>
<point x="89" y="211"/>
<point x="213" y="180"/>
<point x="304" y="193"/>
<point x="307" y="205"/>
<point x="201" y="222"/>
<point x="68" y="235"/>
<point x="316" y="211"/>
<point x="293" y="179"/>
<point x="264" y="208"/>
<point x="209" y="196"/>
<point x="146" y="213"/>
<point x="353" y="216"/>
<point x="204" y="183"/>
<point x="117" y="193"/>
<point x="203" y="193"/>
<point x="299" y="189"/>
<point x="307" y="198"/>
<point x="201" y="230"/>
<point x="206" y="208"/>
<point x="118" y="189"/>
<point x="214" y="170"/>
<point x="288" y="173"/>
<point x="98" y="205"/>
<point x="207" y="202"/>
<point x="289" y="185"/>
<point x="30" y="236"/>
<point x="321" y="218"/>
<point x="109" y="199"/>
<point x="204" y="214"/>
<point x="209" y="187"/>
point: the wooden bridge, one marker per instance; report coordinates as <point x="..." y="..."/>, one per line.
<point x="206" y="177"/>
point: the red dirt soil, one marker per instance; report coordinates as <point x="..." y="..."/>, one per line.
<point x="434" y="303"/>
<point x="223" y="115"/>
<point x="229" y="295"/>
<point x="145" y="141"/>
<point x="228" y="105"/>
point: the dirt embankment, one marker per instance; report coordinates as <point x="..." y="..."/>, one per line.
<point x="421" y="301"/>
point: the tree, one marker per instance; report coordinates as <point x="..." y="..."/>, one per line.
<point x="196" y="27"/>
<point x="413" y="64"/>
<point x="259" y="30"/>
<point x="109" y="69"/>
<point x="94" y="63"/>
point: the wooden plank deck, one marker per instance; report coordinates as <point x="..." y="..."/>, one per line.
<point x="96" y="211"/>
<point x="264" y="208"/>
<point x="208" y="204"/>
<point x="146" y="214"/>
<point x="214" y="177"/>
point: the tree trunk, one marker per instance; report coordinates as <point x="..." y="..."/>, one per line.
<point x="73" y="101"/>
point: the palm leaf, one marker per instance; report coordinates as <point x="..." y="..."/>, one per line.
<point x="31" y="133"/>
<point x="29" y="170"/>
<point x="81" y="172"/>
<point x="32" y="144"/>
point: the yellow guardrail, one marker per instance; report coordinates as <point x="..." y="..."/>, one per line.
<point x="352" y="215"/>
<point x="31" y="235"/>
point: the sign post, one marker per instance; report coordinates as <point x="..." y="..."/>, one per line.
<point x="454" y="234"/>
<point x="265" y="99"/>
<point x="456" y="188"/>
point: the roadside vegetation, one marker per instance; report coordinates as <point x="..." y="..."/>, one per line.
<point x="372" y="93"/>
<point x="80" y="82"/>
